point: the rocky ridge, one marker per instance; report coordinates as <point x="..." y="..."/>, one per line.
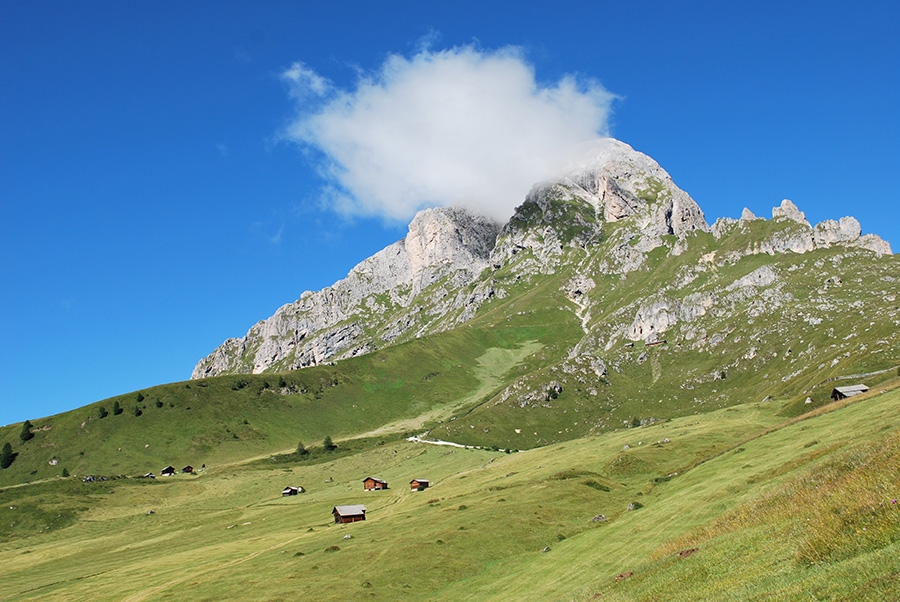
<point x="619" y="201"/>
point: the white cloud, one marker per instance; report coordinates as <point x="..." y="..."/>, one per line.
<point x="459" y="126"/>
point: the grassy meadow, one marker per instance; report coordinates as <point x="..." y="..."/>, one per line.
<point x="739" y="503"/>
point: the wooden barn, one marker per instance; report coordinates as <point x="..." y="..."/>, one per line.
<point x="419" y="484"/>
<point x="349" y="514"/>
<point x="370" y="483"/>
<point x="848" y="391"/>
<point x="292" y="490"/>
<point x="187" y="469"/>
<point x="168" y="471"/>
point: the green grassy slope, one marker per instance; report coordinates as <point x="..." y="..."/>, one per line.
<point x="231" y="418"/>
<point x="762" y="499"/>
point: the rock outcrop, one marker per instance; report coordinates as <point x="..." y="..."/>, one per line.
<point x="798" y="236"/>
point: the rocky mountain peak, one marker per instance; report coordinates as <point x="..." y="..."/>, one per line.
<point x="605" y="215"/>
<point x="623" y="182"/>
<point x="442" y="243"/>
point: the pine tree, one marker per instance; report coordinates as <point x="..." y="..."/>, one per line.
<point x="117" y="409"/>
<point x="6" y="455"/>
<point x="328" y="444"/>
<point x="301" y="449"/>
<point x="26" y="433"/>
<point x="101" y="411"/>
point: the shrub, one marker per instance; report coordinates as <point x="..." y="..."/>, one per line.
<point x="101" y="412"/>
<point x="596" y="485"/>
<point x="65" y="472"/>
<point x="332" y="549"/>
<point x="137" y="411"/>
<point x="117" y="409"/>
<point x="159" y="403"/>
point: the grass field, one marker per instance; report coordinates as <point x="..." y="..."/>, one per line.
<point x="771" y="508"/>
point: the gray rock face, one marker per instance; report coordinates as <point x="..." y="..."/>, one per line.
<point x="330" y="324"/>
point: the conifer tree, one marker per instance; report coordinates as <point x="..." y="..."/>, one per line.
<point x="6" y="455"/>
<point x="26" y="433"/>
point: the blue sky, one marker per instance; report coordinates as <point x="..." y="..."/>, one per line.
<point x="165" y="183"/>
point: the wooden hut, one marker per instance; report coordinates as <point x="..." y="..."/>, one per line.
<point x="848" y="391"/>
<point x="370" y="483"/>
<point x="292" y="490"/>
<point x="419" y="484"/>
<point x="187" y="469"/>
<point x="349" y="514"/>
<point x="168" y="471"/>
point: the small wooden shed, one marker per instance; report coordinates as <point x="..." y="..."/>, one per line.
<point x="188" y="469"/>
<point x="349" y="514"/>
<point x="417" y="484"/>
<point x="848" y="391"/>
<point x="168" y="471"/>
<point x="370" y="483"/>
<point x="292" y="490"/>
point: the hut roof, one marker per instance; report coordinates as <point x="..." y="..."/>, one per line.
<point x="349" y="510"/>
<point x="851" y="390"/>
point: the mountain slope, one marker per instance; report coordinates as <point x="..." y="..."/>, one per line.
<point x="664" y="315"/>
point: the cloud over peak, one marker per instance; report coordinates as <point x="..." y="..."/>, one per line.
<point x="453" y="127"/>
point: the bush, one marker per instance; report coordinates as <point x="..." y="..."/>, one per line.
<point x="117" y="409"/>
<point x="65" y="472"/>
<point x="101" y="412"/>
<point x="137" y="411"/>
